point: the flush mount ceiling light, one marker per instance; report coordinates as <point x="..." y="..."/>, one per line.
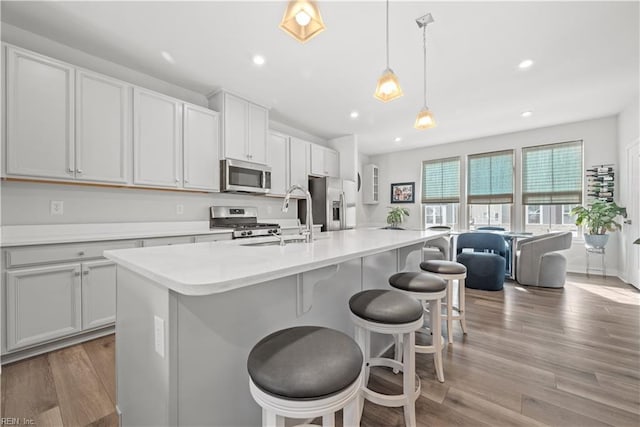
<point x="388" y="87"/>
<point x="424" y="120"/>
<point x="302" y="20"/>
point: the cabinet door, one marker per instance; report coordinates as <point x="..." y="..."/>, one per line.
<point x="201" y="148"/>
<point x="39" y="116"/>
<point x="317" y="160"/>
<point x="98" y="293"/>
<point x="236" y="117"/>
<point x="42" y="304"/>
<point x="156" y="140"/>
<point x="332" y="163"/>
<point x="102" y="128"/>
<point x="167" y="241"/>
<point x="278" y="160"/>
<point x="258" y="129"/>
<point x="299" y="162"/>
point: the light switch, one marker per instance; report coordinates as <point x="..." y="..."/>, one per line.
<point x="56" y="207"/>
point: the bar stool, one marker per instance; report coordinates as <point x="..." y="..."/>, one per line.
<point x="306" y="372"/>
<point x="429" y="289"/>
<point x="450" y="271"/>
<point x="389" y="312"/>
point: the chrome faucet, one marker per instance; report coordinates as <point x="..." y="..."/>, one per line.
<point x="309" y="219"/>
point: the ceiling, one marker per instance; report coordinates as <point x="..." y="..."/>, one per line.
<point x="585" y="54"/>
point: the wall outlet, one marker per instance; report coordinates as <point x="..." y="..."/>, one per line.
<point x="179" y="209"/>
<point x="158" y="327"/>
<point x="56" y="207"/>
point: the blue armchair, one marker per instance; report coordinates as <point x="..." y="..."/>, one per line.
<point x="485" y="263"/>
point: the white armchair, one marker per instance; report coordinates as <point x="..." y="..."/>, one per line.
<point x="539" y="264"/>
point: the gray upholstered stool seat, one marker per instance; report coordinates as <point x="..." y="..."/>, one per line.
<point x="417" y="282"/>
<point x="450" y="271"/>
<point x="394" y="313"/>
<point x="382" y="306"/>
<point x="443" y="267"/>
<point x="304" y="362"/>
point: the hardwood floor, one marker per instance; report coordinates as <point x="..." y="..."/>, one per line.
<point x="532" y="357"/>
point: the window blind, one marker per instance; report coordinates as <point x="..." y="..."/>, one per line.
<point x="441" y="180"/>
<point x="490" y="178"/>
<point x="552" y="174"/>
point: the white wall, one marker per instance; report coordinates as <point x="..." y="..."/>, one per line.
<point x="600" y="137"/>
<point x="628" y="133"/>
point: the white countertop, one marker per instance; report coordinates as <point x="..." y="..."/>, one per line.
<point x="209" y="268"/>
<point x="23" y="235"/>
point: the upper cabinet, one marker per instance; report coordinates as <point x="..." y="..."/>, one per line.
<point x="201" y="145"/>
<point x="103" y="128"/>
<point x="324" y="161"/>
<point x="40" y="135"/>
<point x="244" y="127"/>
<point x="299" y="159"/>
<point x="278" y="159"/>
<point x="64" y="123"/>
<point x="370" y="181"/>
<point x="156" y="139"/>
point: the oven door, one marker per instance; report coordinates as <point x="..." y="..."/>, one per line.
<point x="245" y="177"/>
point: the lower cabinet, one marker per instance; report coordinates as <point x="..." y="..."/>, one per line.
<point x="98" y="293"/>
<point x="43" y="303"/>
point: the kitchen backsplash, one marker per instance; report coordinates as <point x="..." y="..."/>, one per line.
<point x="26" y="203"/>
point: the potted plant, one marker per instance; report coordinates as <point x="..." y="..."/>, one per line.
<point x="598" y="219"/>
<point x="396" y="216"/>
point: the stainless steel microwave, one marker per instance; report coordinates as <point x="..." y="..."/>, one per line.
<point x="244" y="177"/>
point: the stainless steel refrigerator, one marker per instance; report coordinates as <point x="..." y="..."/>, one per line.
<point x="334" y="203"/>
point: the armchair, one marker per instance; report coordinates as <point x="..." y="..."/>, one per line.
<point x="486" y="264"/>
<point x="538" y="263"/>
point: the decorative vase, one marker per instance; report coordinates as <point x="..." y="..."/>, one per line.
<point x="596" y="240"/>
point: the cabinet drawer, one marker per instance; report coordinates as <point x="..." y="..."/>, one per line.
<point x="213" y="237"/>
<point x="58" y="253"/>
<point x="163" y="241"/>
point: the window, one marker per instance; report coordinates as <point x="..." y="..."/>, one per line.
<point x="490" y="189"/>
<point x="552" y="174"/>
<point x="545" y="218"/>
<point x="441" y="191"/>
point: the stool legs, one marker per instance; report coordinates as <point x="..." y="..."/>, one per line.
<point x="450" y="311"/>
<point x="461" y="308"/>
<point x="271" y="419"/>
<point x="436" y="340"/>
<point x="408" y="379"/>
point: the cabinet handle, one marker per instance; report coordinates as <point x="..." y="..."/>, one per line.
<point x="177" y="179"/>
<point x="76" y="273"/>
<point x="81" y="253"/>
<point x="78" y="170"/>
<point x="85" y="272"/>
<point x="69" y="170"/>
<point x="186" y="181"/>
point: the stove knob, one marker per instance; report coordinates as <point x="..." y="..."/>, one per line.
<point x="249" y="233"/>
<point x="274" y="231"/>
<point x="244" y="233"/>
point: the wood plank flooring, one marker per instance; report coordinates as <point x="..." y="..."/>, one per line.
<point x="532" y="357"/>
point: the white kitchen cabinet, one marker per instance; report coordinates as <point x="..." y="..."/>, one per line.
<point x="244" y="127"/>
<point x="299" y="156"/>
<point x="103" y="128"/>
<point x="98" y="293"/>
<point x="157" y="140"/>
<point x="324" y="161"/>
<point x="278" y="159"/>
<point x="40" y="130"/>
<point x="370" y="182"/>
<point x="43" y="303"/>
<point x="201" y="145"/>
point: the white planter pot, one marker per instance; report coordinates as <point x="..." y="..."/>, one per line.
<point x="596" y="240"/>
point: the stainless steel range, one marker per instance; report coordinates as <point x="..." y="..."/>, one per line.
<point x="243" y="220"/>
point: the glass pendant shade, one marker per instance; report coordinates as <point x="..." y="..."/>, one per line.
<point x="302" y="20"/>
<point x="388" y="87"/>
<point x="424" y="120"/>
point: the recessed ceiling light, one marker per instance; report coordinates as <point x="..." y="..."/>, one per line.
<point x="258" y="60"/>
<point x="354" y="114"/>
<point x="525" y="64"/>
<point x="167" y="57"/>
<point x="398" y="139"/>
<point x="526" y="114"/>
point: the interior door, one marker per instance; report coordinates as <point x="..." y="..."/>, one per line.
<point x="632" y="222"/>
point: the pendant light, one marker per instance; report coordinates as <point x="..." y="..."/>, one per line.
<point x="424" y="120"/>
<point x="388" y="87"/>
<point x="302" y="20"/>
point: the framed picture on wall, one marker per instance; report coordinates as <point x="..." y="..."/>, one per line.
<point x="403" y="192"/>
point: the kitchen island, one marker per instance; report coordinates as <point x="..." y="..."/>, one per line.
<point x="188" y="315"/>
